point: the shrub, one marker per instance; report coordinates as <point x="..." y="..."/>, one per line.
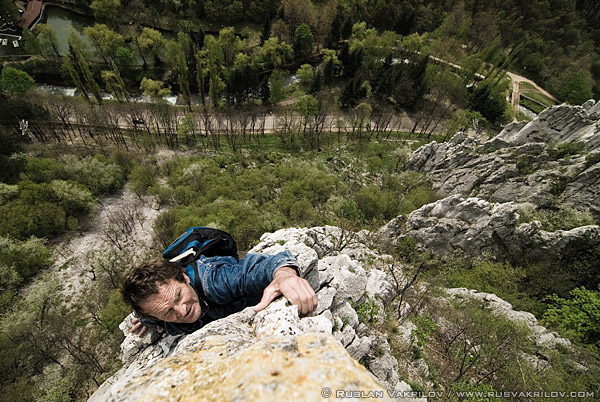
<point x="367" y="311"/>
<point x="100" y="176"/>
<point x="164" y="228"/>
<point x="74" y="198"/>
<point x="370" y="201"/>
<point x="141" y="178"/>
<point x="114" y="312"/>
<point x="43" y="170"/>
<point x="577" y="317"/>
<point x="36" y="212"/>
<point x="563" y="218"/>
<point x="499" y="278"/>
<point x="8" y="192"/>
<point x="20" y="260"/>
<point x="566" y="149"/>
<point x="15" y="82"/>
<point x="425" y="327"/>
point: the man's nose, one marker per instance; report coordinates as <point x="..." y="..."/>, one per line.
<point x="180" y="310"/>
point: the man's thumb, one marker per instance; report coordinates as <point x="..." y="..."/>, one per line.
<point x="268" y="296"/>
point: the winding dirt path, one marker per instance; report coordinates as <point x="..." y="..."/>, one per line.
<point x="516" y="95"/>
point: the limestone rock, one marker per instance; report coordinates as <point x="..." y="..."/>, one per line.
<point x="475" y="226"/>
<point x="378" y="285"/>
<point x="545" y="340"/>
<point x="154" y="342"/>
<point x="519" y="163"/>
<point x="225" y="361"/>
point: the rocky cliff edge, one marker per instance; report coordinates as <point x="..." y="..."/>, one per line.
<point x="276" y="355"/>
<point x="552" y="160"/>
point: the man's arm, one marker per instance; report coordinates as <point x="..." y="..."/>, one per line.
<point x="225" y="280"/>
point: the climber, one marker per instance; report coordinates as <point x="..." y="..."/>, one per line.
<point x="182" y="300"/>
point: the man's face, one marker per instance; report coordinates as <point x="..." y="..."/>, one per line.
<point x="174" y="302"/>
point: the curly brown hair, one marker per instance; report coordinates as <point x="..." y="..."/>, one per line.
<point x="143" y="281"/>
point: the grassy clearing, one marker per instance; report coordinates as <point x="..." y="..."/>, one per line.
<point x="532" y="105"/>
<point x="539" y="97"/>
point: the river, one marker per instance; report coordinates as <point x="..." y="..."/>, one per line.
<point x="61" y="20"/>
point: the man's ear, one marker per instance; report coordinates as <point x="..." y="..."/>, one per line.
<point x="187" y="279"/>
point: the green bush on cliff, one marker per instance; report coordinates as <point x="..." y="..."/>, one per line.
<point x="562" y="218"/>
<point x="578" y="316"/>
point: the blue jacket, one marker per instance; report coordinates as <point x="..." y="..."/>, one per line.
<point x="226" y="286"/>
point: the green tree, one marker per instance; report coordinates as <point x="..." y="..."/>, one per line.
<point x="215" y="83"/>
<point x="23" y="258"/>
<point x="114" y="83"/>
<point x="73" y="197"/>
<point x="577" y="90"/>
<point x="214" y="63"/>
<point x="201" y="73"/>
<point x="230" y="45"/>
<point x="361" y="115"/>
<point x="141" y="178"/>
<point x="303" y="41"/>
<point x="15" y="82"/>
<point x="124" y="59"/>
<point x="79" y="67"/>
<point x="308" y="106"/>
<point x="306" y="75"/>
<point x="10" y="14"/>
<point x="150" y="42"/>
<point x="330" y="64"/>
<point x="106" y="9"/>
<point x="105" y="40"/>
<point x="154" y="88"/>
<point x="42" y="40"/>
<point x="47" y="38"/>
<point x="487" y="100"/>
<point x="175" y="55"/>
<point x="75" y="76"/>
<point x="96" y="173"/>
<point x="276" y="83"/>
<point x="273" y="53"/>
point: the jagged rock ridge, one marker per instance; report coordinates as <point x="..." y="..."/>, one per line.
<point x="552" y="160"/>
<point x="475" y="227"/>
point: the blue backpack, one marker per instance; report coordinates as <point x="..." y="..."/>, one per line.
<point x="199" y="240"/>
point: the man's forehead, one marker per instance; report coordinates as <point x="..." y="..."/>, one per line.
<point x="165" y="292"/>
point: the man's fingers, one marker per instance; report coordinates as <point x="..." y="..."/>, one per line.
<point x="136" y="326"/>
<point x="308" y="296"/>
<point x="302" y="295"/>
<point x="269" y="295"/>
<point x="295" y="289"/>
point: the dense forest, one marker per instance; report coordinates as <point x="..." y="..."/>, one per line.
<point x="290" y="113"/>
